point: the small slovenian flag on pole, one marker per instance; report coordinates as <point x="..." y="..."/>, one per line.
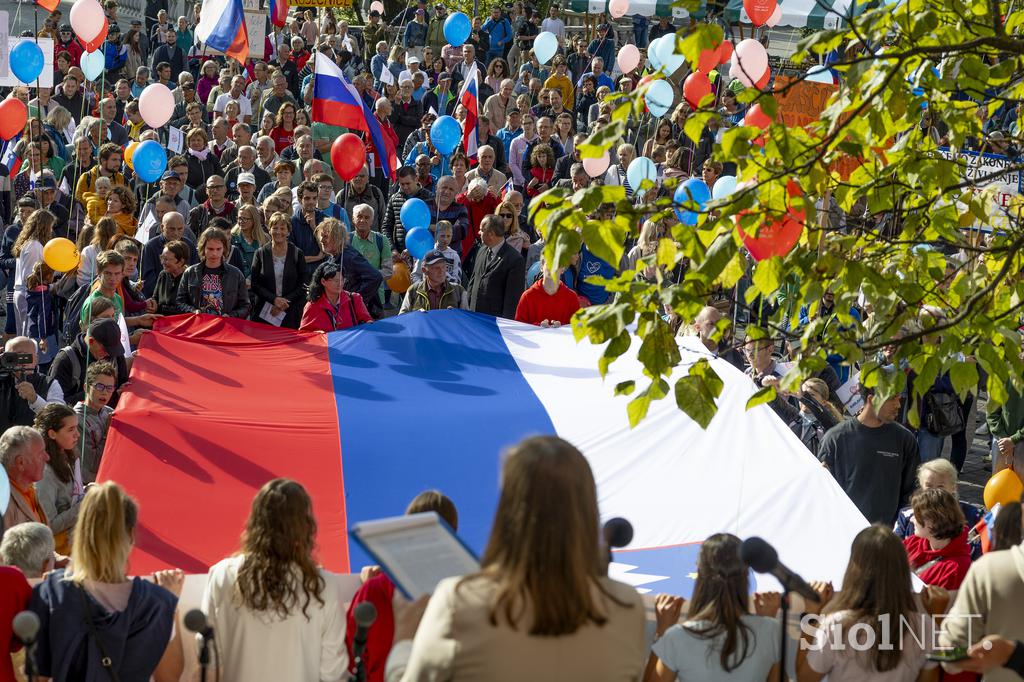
<point x="222" y="27"/>
<point x="9" y="158"/>
<point x="468" y="98"/>
<point x="279" y="12"/>
<point x="507" y="188"/>
<point x="336" y="102"/>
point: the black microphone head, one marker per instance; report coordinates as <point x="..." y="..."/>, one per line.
<point x="195" y="621"/>
<point x="364" y="614"/>
<point x="618" y="532"/>
<point x="26" y="626"/>
<point x="759" y="555"/>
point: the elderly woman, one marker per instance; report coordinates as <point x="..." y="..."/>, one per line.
<point x="173" y="260"/>
<point x="202" y="163"/>
<point x="330" y="307"/>
<point x="938" y="473"/>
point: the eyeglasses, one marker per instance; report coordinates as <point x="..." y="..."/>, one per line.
<point x="215" y="186"/>
<point x="104" y="388"/>
<point x="507" y="215"/>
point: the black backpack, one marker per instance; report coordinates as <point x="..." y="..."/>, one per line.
<point x="942" y="415"/>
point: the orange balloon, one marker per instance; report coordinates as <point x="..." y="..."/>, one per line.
<point x="400" y="281"/>
<point x="13" y="116"/>
<point x="129" y="152"/>
<point x="1004" y="487"/>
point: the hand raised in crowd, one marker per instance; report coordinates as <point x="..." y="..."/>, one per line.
<point x="667" y="609"/>
<point x="551" y="323"/>
<point x="369" y="572"/>
<point x="935" y="599"/>
<point x="825" y="592"/>
<point x="171" y="580"/>
<point x="408" y="615"/>
<point x="27" y="392"/>
<point x="991" y="652"/>
<point x="151" y="305"/>
<point x="767" y="603"/>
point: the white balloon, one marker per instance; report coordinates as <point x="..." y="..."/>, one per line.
<point x="87" y="19"/>
<point x="749" y="62"/>
<point x="156" y="104"/>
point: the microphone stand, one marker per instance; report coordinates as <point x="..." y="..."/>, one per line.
<point x="785" y="626"/>
<point x="204" y="657"/>
<point x="358" y="646"/>
<point x="30" y="661"/>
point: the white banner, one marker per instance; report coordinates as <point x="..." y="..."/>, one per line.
<point x="9" y="80"/>
<point x="974" y="166"/>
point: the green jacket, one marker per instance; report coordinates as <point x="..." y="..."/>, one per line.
<point x="372" y="34"/>
<point x="1007" y="420"/>
<point x="435" y="37"/>
<point x="416" y="297"/>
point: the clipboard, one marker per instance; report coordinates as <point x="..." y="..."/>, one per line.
<point x="415" y="551"/>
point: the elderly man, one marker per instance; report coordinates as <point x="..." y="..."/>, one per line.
<point x="435" y="291"/>
<point x="236" y="94"/>
<point x="578" y="178"/>
<point x="259" y="86"/>
<point x="241" y="135"/>
<point x="279" y="94"/>
<point x="108" y="112"/>
<point x="382" y="110"/>
<point x="499" y="273"/>
<point x="170" y="187"/>
<point x="246" y="164"/>
<point x="444" y="207"/>
<point x="23" y="391"/>
<point x="360" y="191"/>
<point x="497" y="106"/>
<point x="172" y="227"/>
<point x="485" y="170"/>
<point x="374" y="246"/>
<point x="29" y="548"/>
<point x="23" y="456"/>
<point x="215" y="206"/>
<point x="266" y="155"/>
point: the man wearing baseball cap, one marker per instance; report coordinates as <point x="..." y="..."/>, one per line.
<point x="46" y="191"/>
<point x="435" y="291"/>
<point x="101" y="341"/>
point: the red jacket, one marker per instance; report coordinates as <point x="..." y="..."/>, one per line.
<point x="536" y="305"/>
<point x="321" y="316"/>
<point x="477" y="210"/>
<point x="951" y="562"/>
<point x="379" y="591"/>
<point x="14" y="596"/>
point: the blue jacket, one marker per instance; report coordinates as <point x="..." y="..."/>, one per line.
<point x="116" y="55"/>
<point x="500" y="32"/>
<point x="415" y="35"/>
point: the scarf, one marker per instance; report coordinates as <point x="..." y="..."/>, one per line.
<point x="201" y="155"/>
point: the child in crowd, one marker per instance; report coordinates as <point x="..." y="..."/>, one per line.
<point x="94" y="415"/>
<point x="442" y="242"/>
<point x="42" y="317"/>
<point x="96" y="202"/>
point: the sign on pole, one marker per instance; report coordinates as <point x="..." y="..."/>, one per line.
<point x="9" y="80"/>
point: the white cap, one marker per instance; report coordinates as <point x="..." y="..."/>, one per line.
<point x="246" y="177"/>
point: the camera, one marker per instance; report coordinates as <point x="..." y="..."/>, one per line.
<point x="11" y="363"/>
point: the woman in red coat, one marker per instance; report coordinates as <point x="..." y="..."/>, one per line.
<point x="938" y="550"/>
<point x="330" y="307"/>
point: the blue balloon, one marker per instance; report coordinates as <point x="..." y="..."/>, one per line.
<point x="457" y="28"/>
<point x="415" y="213"/>
<point x="545" y="45"/>
<point x="445" y="134"/>
<point x="419" y="242"/>
<point x="640" y="169"/>
<point x="667" y="55"/>
<point x="659" y="97"/>
<point x="692" y="191"/>
<point x="27" y="61"/>
<point x="724" y="186"/>
<point x="652" y="54"/>
<point x="150" y="161"/>
<point x="93" y="64"/>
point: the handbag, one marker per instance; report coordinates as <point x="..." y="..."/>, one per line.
<point x="105" y="660"/>
<point x="944" y="417"/>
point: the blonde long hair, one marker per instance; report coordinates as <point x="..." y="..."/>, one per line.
<point x="104" y="534"/>
<point x="258" y="233"/>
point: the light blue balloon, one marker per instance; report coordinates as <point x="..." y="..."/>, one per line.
<point x="27" y="61"/>
<point x="640" y="169"/>
<point x="692" y="191"/>
<point x="419" y="242"/>
<point x="150" y="161"/>
<point x="652" y="54"/>
<point x="724" y="186"/>
<point x="667" y="55"/>
<point x="545" y="46"/>
<point x="93" y="64"/>
<point x="445" y="134"/>
<point x="457" y="28"/>
<point x="415" y="213"/>
<point x="659" y="97"/>
<point x="819" y="74"/>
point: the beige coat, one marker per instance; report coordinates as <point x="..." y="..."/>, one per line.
<point x="456" y="641"/>
<point x="19" y="511"/>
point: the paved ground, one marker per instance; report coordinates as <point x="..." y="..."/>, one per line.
<point x="976" y="472"/>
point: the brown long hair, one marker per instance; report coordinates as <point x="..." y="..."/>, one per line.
<point x="720" y="597"/>
<point x="38" y="227"/>
<point x="50" y="418"/>
<point x="877" y="581"/>
<point x="280" y="537"/>
<point x="547" y="496"/>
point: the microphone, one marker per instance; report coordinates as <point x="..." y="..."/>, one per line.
<point x="195" y="621"/>
<point x="26" y="626"/>
<point x="618" y="532"/>
<point x="364" y="614"/>
<point x="763" y="558"/>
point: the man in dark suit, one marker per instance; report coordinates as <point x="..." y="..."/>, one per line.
<point x="499" y="273"/>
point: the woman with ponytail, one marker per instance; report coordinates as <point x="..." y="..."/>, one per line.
<point x="60" y="491"/>
<point x="96" y="623"/>
<point x="720" y="639"/>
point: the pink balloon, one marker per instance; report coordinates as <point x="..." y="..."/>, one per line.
<point x="629" y="57"/>
<point x="87" y="19"/>
<point x="377" y="5"/>
<point x="618" y="8"/>
<point x="775" y="18"/>
<point x="597" y="167"/>
<point x="156" y="104"/>
<point x="749" y="61"/>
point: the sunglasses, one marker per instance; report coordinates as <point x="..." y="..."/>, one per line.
<point x="105" y="388"/>
<point x="507" y="215"/>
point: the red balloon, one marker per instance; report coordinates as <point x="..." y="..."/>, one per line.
<point x="763" y="81"/>
<point x="757" y="117"/>
<point x="759" y="11"/>
<point x="348" y="155"/>
<point x="709" y="59"/>
<point x="778" y="237"/>
<point x="13" y="115"/>
<point x="95" y="43"/>
<point x="725" y="52"/>
<point x="695" y="88"/>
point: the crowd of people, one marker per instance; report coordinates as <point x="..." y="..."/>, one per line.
<point x="251" y="220"/>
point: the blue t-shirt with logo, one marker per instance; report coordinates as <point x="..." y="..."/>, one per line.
<point x="591" y="265"/>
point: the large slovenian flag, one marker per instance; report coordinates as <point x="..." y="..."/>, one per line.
<point x="222" y="27"/>
<point x="336" y="102"/>
<point x="279" y="12"/>
<point x="369" y="417"/>
<point x="468" y="97"/>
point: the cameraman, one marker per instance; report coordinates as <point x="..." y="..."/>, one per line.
<point x="23" y="391"/>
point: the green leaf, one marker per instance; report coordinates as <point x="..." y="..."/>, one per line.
<point x="768" y="275"/>
<point x="695" y="124"/>
<point x="625" y="387"/>
<point x="606" y="239"/>
<point x="659" y="351"/>
<point x="618" y="346"/>
<point x="964" y="376"/>
<point x="597" y="144"/>
<point x="566" y="245"/>
<point x="765" y="395"/>
<point x="586" y="200"/>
